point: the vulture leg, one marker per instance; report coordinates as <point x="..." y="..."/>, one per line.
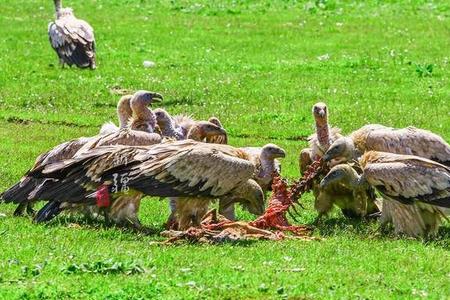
<point x="190" y="211"/>
<point x="227" y="212"/>
<point x="323" y="205"/>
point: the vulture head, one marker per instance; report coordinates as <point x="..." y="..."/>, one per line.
<point x="342" y="150"/>
<point x="209" y="129"/>
<point x="250" y="195"/>
<point x="162" y="118"/>
<point x="204" y="129"/>
<point x="320" y="113"/>
<point x="342" y="174"/>
<point x="272" y="151"/>
<point x="143" y="118"/>
<point x="145" y="98"/>
<point x="215" y="121"/>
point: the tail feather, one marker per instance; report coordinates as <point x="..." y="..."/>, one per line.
<point x="20" y="192"/>
<point x="48" y="212"/>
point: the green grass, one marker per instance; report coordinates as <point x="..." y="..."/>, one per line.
<point x="255" y="65"/>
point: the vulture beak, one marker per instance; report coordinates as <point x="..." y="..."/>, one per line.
<point x="327" y="157"/>
<point x="156" y="97"/>
<point x="322" y="113"/>
<point x="281" y="153"/>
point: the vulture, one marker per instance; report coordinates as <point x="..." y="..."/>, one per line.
<point x="337" y="194"/>
<point x="267" y="165"/>
<point x="72" y="38"/>
<point x="353" y="200"/>
<point x="169" y="128"/>
<point x="415" y="190"/>
<point x="105" y="175"/>
<point x="23" y="191"/>
<point x="408" y="141"/>
<point x="320" y="141"/>
<point x="218" y="139"/>
<point x="124" y="113"/>
<point x="180" y="128"/>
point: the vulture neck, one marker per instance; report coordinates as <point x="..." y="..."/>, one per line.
<point x="145" y="121"/>
<point x="168" y="129"/>
<point x="196" y="134"/>
<point x="58" y="7"/>
<point x="124" y="112"/>
<point x="323" y="133"/>
<point x="267" y="166"/>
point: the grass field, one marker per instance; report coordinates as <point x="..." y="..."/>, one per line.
<point x="258" y="66"/>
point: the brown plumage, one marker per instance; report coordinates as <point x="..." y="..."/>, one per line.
<point x="349" y="201"/>
<point x="217" y="139"/>
<point x="267" y="165"/>
<point x="408" y="180"/>
<point x="353" y="200"/>
<point x="409" y="141"/>
<point x="179" y="169"/>
<point x="72" y="38"/>
<point x="200" y="131"/>
<point x="69" y="149"/>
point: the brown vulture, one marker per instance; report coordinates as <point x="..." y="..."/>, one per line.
<point x="267" y="165"/>
<point x="21" y="191"/>
<point x="409" y="141"/>
<point x="188" y="169"/>
<point x="415" y="190"/>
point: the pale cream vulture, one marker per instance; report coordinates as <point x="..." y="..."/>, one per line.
<point x="72" y="38"/>
<point x="320" y="141"/>
<point x="124" y="114"/>
<point x="409" y="141"/>
<point x="188" y="169"/>
<point x="142" y="119"/>
<point x="415" y="190"/>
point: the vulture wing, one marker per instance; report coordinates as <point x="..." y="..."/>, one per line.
<point x="73" y="40"/>
<point x="408" y="179"/>
<point x="410" y="141"/>
<point x="178" y="169"/>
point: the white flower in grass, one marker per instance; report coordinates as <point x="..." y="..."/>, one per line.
<point x="324" y="57"/>
<point x="149" y="64"/>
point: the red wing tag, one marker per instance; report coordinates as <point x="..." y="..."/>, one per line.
<point x="102" y="196"/>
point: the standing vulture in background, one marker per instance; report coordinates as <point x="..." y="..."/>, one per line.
<point x="409" y="141"/>
<point x="72" y="38"/>
<point x="23" y="192"/>
<point x="320" y="141"/>
<point x="124" y="113"/>
<point x="422" y="184"/>
<point x="266" y="162"/>
<point x="188" y="169"/>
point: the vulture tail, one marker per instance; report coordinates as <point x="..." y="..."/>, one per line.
<point x="19" y="192"/>
<point x="48" y="212"/>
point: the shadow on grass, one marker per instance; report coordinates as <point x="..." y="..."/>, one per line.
<point x="371" y="229"/>
<point x="73" y="221"/>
